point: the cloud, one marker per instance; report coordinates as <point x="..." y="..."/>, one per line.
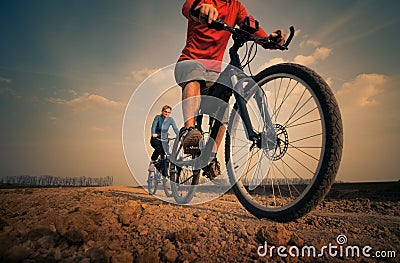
<point x="73" y="92"/>
<point x="348" y="40"/>
<point x="90" y="102"/>
<point x="12" y="93"/>
<point x="363" y="91"/>
<point x="52" y="118"/>
<point x="140" y="75"/>
<point x="339" y="23"/>
<point x="99" y="130"/>
<point x="329" y="81"/>
<point x="309" y="43"/>
<point x="320" y="53"/>
<point x="5" y="80"/>
<point x="370" y="115"/>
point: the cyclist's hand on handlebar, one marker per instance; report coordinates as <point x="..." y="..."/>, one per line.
<point x="154" y="135"/>
<point x="278" y="36"/>
<point x="208" y="13"/>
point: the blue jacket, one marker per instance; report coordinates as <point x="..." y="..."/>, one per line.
<point x="161" y="126"/>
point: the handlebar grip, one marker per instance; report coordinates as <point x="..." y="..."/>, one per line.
<point x="217" y="25"/>
<point x="291" y="35"/>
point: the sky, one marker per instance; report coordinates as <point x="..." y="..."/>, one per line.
<point x="69" y="68"/>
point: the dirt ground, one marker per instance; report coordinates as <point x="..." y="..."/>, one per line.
<point x="126" y="224"/>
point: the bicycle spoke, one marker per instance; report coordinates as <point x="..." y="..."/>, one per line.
<point x="283" y="174"/>
<point x="243" y="156"/>
<point x="253" y="180"/>
<point x="304" y="147"/>
<point x="289" y="185"/>
<point x="244" y="147"/>
<point x="276" y="96"/>
<point x="298" y="110"/>
<point x="265" y="188"/>
<point x="294" y="147"/>
<point x="293" y="170"/>
<point x="284" y="99"/>
<point x="305" y="138"/>
<point x="278" y="186"/>
<point x="302" y="116"/>
<point x="305" y="167"/>
<point x="273" y="186"/>
<point x="250" y="158"/>
<point x="186" y="180"/>
<point x="303" y="123"/>
<point x="252" y="185"/>
<point x="244" y="141"/>
<point x="297" y="104"/>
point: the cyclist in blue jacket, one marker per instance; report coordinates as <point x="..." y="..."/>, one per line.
<point x="159" y="130"/>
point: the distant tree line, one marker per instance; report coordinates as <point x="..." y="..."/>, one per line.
<point x="280" y="181"/>
<point x="275" y="181"/>
<point x="267" y="181"/>
<point x="48" y="180"/>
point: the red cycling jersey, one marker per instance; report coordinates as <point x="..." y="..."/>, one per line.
<point x="205" y="43"/>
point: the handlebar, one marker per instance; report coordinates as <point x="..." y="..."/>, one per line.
<point x="240" y="34"/>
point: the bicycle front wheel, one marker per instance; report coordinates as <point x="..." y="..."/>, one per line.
<point x="286" y="181"/>
<point x="166" y="179"/>
<point x="152" y="182"/>
<point x="183" y="184"/>
<point x="184" y="176"/>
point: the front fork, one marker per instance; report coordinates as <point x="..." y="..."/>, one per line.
<point x="245" y="88"/>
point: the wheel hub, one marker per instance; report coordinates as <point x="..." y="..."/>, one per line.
<point x="282" y="142"/>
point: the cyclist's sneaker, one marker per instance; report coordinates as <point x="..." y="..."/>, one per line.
<point x="212" y="170"/>
<point x="190" y="139"/>
<point x="151" y="167"/>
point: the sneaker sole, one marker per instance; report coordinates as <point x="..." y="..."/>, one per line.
<point x="192" y="140"/>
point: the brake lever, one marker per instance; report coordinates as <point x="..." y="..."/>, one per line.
<point x="270" y="44"/>
<point x="279" y="46"/>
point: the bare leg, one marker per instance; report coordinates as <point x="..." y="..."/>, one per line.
<point x="190" y="102"/>
<point x="190" y="106"/>
<point x="219" y="138"/>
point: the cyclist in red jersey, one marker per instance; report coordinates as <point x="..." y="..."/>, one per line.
<point x="203" y="43"/>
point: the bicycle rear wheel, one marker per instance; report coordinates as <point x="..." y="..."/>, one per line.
<point x="287" y="181"/>
<point x="152" y="182"/>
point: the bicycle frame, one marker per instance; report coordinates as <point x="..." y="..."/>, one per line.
<point x="243" y="87"/>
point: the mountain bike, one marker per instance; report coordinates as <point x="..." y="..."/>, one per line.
<point x="284" y="134"/>
<point x="161" y="173"/>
